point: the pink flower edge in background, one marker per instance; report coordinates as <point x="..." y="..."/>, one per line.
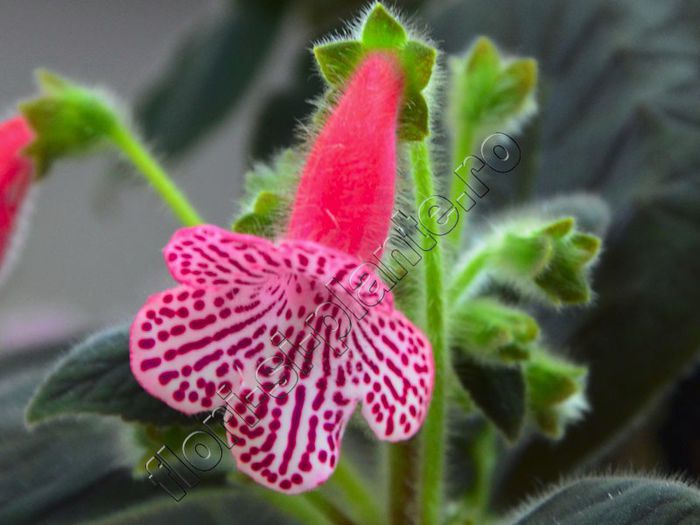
<point x="16" y="176"/>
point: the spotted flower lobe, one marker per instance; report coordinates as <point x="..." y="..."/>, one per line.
<point x="257" y="327"/>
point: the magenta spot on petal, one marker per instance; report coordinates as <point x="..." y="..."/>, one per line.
<point x="147" y="344"/>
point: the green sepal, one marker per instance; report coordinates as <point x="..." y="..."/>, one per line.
<point x="381" y="31"/>
<point x="67" y="119"/>
<point x="490" y="93"/>
<point x="418" y="62"/>
<point x="264" y="219"/>
<point x="565" y="279"/>
<point x="555" y="392"/>
<point x="337" y="60"/>
<point x="414" y="120"/>
<point x="491" y="331"/>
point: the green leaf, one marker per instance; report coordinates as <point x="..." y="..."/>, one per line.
<point x="615" y="501"/>
<point x="66" y="119"/>
<point x="498" y="391"/>
<point x="95" y="378"/>
<point x="44" y="466"/>
<point x="208" y="75"/>
<point x="381" y="30"/>
<point x="337" y="60"/>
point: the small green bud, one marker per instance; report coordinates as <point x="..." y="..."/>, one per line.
<point x="487" y="329"/>
<point x="67" y="119"/>
<point x="489" y="93"/>
<point x="555" y="392"/>
<point x="565" y="279"/>
<point x="381" y="31"/>
<point x="523" y="255"/>
<point x="552" y="261"/>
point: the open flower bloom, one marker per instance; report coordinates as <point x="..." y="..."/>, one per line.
<point x="15" y="180"/>
<point x="291" y="336"/>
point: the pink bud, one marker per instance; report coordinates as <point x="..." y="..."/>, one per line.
<point x="346" y="192"/>
<point x="15" y="179"/>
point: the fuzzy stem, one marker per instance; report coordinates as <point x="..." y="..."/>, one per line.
<point x="403" y="472"/>
<point x="434" y="430"/>
<point x="301" y="507"/>
<point x="463" y="147"/>
<point x="156" y="176"/>
<point x="483" y="452"/>
<point x="357" y="493"/>
<point x="404" y="457"/>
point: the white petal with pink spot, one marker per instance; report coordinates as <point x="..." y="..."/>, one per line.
<point x="257" y="320"/>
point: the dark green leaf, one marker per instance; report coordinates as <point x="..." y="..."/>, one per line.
<point x="95" y="378"/>
<point x="40" y="467"/>
<point x="499" y="391"/>
<point x="615" y="501"/>
<point x="209" y="74"/>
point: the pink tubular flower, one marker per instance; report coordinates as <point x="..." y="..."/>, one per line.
<point x="15" y="180"/>
<point x="291" y="336"/>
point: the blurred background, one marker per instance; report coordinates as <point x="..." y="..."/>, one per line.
<point x="215" y="85"/>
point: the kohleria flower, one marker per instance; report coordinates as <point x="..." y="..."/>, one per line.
<point x="292" y="336"/>
<point x="15" y="179"/>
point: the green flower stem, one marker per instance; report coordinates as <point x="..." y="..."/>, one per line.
<point x="356" y="491"/>
<point x="465" y="277"/>
<point x="404" y="469"/>
<point x="463" y="147"/>
<point x="404" y="457"/>
<point x="156" y="176"/>
<point x="328" y="508"/>
<point x="434" y="430"/>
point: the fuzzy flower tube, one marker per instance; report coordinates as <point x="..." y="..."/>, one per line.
<point x="16" y="176"/>
<point x="291" y="336"/>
